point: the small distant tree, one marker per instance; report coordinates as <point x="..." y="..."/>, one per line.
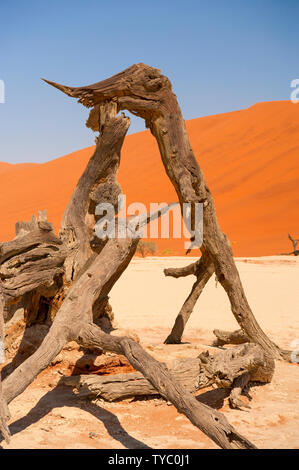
<point x="146" y="248"/>
<point x="167" y="252"/>
<point x="294" y="243"/>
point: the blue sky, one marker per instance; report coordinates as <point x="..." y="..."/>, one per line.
<point x="220" y="56"/>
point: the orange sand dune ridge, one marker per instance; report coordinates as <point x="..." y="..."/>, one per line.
<point x="249" y="158"/>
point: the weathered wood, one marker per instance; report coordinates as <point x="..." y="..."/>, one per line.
<point x="144" y="91"/>
<point x="124" y="385"/>
<point x="97" y="184"/>
<point x="93" y="285"/>
<point x="31" y="267"/>
<point x="203" y="270"/>
<point x="210" y="421"/>
<point x="222" y="368"/>
<point x="229" y="337"/>
<point x="184" y="271"/>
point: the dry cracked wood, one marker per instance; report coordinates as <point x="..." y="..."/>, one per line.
<point x="228" y="368"/>
<point x="211" y="422"/>
<point x="31" y="267"/>
<point x="229" y="337"/>
<point x="97" y="184"/>
<point x="203" y="270"/>
<point x="145" y="92"/>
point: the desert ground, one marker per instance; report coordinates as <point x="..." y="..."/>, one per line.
<point x="50" y="415"/>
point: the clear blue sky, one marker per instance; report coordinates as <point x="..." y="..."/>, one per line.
<point x="220" y="55"/>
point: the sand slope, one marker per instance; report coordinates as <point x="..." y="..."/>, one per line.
<point x="249" y="157"/>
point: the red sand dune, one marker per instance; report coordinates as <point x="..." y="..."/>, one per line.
<point x="249" y="158"/>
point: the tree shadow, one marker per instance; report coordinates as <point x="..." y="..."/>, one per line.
<point x="214" y="398"/>
<point x="32" y="338"/>
<point x="66" y="397"/>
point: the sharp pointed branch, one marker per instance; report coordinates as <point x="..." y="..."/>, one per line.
<point x="65" y="89"/>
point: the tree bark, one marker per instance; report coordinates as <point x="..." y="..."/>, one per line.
<point x="229" y="337"/>
<point x="211" y="422"/>
<point x="4" y="413"/>
<point x="221" y="368"/>
<point x="203" y="271"/>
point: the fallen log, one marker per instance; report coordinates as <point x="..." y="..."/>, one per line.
<point x="211" y="422"/>
<point x="233" y="368"/>
<point x="229" y="337"/>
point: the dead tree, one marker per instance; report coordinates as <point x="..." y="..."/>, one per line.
<point x="147" y="93"/>
<point x="294" y="242"/>
<point x="67" y="279"/>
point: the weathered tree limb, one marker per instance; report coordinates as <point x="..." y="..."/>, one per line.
<point x="229" y="337"/>
<point x="210" y="421"/>
<point x="294" y="242"/>
<point x="184" y="271"/>
<point x="203" y="271"/>
<point x="238" y="386"/>
<point x="97" y="184"/>
<point x="113" y="259"/>
<point x="145" y="92"/>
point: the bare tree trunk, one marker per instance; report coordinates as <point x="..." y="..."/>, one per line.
<point x="204" y="270"/>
